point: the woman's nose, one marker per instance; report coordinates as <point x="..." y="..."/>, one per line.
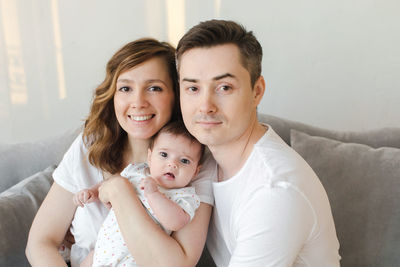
<point x="139" y="99"/>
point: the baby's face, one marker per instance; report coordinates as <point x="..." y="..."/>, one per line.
<point x="174" y="160"/>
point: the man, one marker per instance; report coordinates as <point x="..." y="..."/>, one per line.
<point x="270" y="207"/>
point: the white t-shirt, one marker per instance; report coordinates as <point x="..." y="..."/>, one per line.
<point x="111" y="249"/>
<point x="273" y="212"/>
<point x="75" y="173"/>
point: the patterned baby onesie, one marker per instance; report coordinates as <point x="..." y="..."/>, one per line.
<point x="110" y="248"/>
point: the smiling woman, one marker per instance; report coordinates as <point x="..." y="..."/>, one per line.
<point x="144" y="98"/>
<point x="136" y="99"/>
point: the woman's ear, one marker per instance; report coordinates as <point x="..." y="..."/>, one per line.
<point x="258" y="90"/>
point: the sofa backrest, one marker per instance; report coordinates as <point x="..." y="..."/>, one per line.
<point x="21" y="160"/>
<point x="383" y="137"/>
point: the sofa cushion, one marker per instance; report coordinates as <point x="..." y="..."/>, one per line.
<point x="18" y="206"/>
<point x="363" y="186"/>
<point x="389" y="136"/>
<point x="21" y="160"/>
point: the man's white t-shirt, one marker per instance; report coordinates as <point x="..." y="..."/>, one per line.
<point x="75" y="173"/>
<point x="273" y="212"/>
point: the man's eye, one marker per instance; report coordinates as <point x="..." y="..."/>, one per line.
<point x="192" y="89"/>
<point x="155" y="89"/>
<point x="185" y="161"/>
<point x="124" y="89"/>
<point x="224" y="88"/>
<point x="163" y="154"/>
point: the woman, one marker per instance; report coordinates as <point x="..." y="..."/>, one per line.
<point x="138" y="96"/>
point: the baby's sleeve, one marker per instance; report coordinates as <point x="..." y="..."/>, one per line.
<point x="187" y="199"/>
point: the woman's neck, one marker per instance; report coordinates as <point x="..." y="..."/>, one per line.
<point x="136" y="151"/>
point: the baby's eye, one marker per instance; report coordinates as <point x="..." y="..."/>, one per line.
<point x="124" y="89"/>
<point x="185" y="161"/>
<point x="163" y="154"/>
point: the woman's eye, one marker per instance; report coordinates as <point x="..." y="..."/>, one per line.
<point x="163" y="154"/>
<point x="155" y="89"/>
<point x="185" y="161"/>
<point x="124" y="89"/>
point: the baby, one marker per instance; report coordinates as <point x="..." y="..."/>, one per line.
<point x="174" y="157"/>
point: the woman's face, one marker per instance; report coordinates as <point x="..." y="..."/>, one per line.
<point x="144" y="98"/>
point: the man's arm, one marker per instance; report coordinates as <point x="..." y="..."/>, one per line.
<point x="171" y="216"/>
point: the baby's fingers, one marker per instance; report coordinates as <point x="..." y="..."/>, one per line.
<point x="77" y="201"/>
<point x="85" y="196"/>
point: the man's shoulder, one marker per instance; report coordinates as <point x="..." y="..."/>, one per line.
<point x="273" y="161"/>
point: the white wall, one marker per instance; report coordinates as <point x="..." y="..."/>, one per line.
<point x="331" y="63"/>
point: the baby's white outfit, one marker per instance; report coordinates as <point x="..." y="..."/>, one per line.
<point x="110" y="248"/>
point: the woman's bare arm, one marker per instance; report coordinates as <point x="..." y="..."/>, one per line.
<point x="149" y="245"/>
<point x="49" y="228"/>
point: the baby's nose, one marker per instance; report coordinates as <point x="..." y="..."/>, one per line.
<point x="172" y="164"/>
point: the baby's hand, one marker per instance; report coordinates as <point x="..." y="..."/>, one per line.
<point x="149" y="185"/>
<point x="84" y="197"/>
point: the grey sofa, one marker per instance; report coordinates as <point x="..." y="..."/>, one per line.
<point x="359" y="170"/>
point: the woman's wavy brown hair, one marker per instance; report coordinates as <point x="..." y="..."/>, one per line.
<point x="102" y="135"/>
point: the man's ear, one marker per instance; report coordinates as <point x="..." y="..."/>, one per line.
<point x="258" y="90"/>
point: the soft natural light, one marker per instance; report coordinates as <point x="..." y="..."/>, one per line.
<point x="13" y="49"/>
<point x="175" y="20"/>
<point x="62" y="92"/>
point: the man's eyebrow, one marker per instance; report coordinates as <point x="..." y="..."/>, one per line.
<point x="189" y="80"/>
<point x="216" y="78"/>
<point x="219" y="77"/>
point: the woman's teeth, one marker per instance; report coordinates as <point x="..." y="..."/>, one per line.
<point x="140" y="118"/>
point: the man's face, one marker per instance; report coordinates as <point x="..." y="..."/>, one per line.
<point x="217" y="100"/>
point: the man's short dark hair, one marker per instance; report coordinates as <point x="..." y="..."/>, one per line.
<point x="218" y="32"/>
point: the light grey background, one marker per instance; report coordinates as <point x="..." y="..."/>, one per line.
<point x="332" y="63"/>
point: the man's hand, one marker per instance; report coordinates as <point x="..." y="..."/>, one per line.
<point x="149" y="185"/>
<point x="84" y="197"/>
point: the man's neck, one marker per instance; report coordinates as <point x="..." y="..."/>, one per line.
<point x="232" y="156"/>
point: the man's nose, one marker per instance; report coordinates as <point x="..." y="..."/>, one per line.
<point x="207" y="103"/>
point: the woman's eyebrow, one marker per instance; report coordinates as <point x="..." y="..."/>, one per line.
<point x="156" y="81"/>
<point x="126" y="80"/>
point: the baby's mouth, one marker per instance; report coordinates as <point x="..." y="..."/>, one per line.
<point x="169" y="176"/>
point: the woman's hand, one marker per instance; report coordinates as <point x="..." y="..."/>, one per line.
<point x="110" y="188"/>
